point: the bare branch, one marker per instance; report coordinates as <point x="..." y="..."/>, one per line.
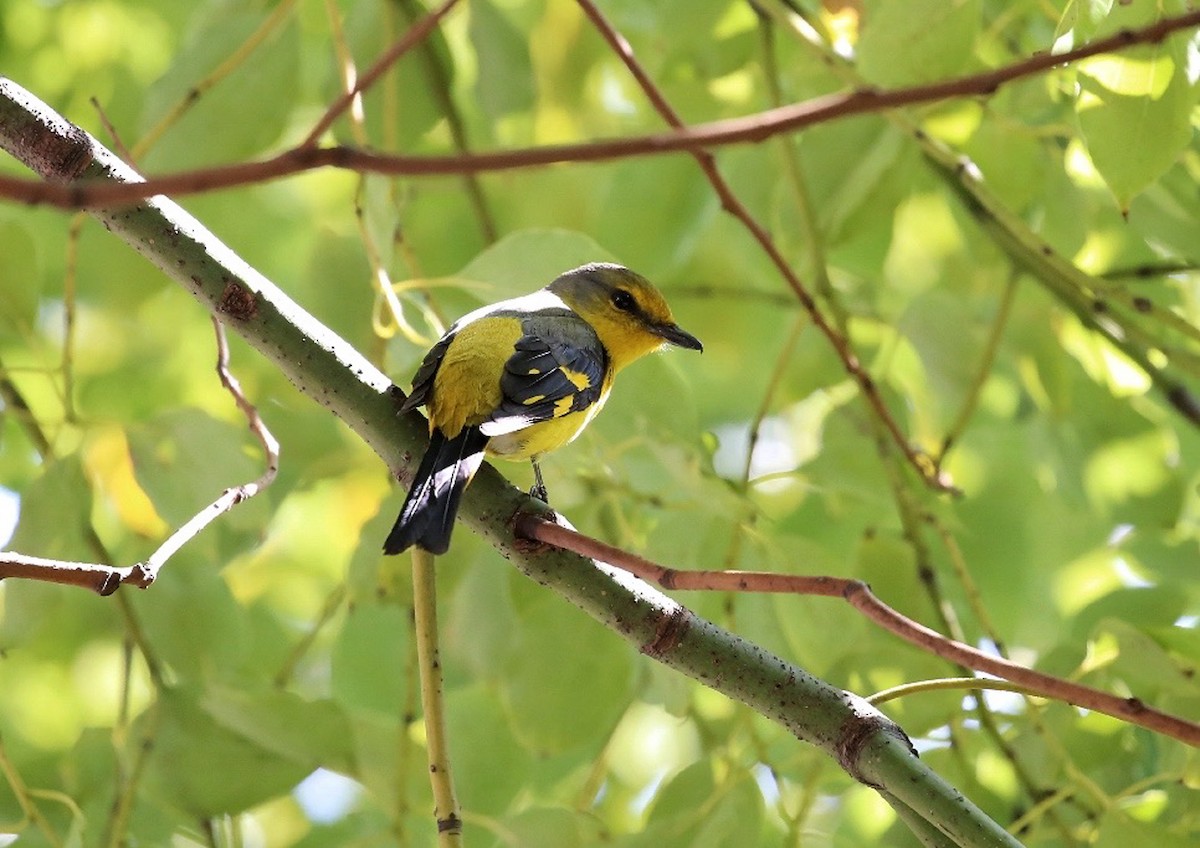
<point x="105" y="579"/>
<point x="751" y="128"/>
<point x="410" y="39"/>
<point x="858" y="594"/>
<point x="101" y="579"/>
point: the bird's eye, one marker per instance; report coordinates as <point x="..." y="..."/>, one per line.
<point x="623" y="300"/>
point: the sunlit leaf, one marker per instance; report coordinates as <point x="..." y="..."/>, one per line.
<point x="903" y="44"/>
<point x="504" y="79"/>
<point x="19" y="282"/>
<point x="556" y="696"/>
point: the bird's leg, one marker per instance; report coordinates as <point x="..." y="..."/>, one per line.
<point x="539" y="488"/>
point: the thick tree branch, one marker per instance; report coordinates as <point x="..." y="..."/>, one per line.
<point x="323" y="366"/>
<point x="752" y="128"/>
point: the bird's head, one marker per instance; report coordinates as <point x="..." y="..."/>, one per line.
<point x="628" y="313"/>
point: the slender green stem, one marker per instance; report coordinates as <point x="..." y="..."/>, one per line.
<point x="439" y="85"/>
<point x="810" y="229"/>
<point x="988" y="359"/>
<point x="924" y="830"/>
<point x="404" y="741"/>
<point x="25" y="798"/>
<point x="441" y="778"/>
<point x="115" y="834"/>
<point x="333" y="603"/>
<point x="235" y="59"/>
<point x="942" y="684"/>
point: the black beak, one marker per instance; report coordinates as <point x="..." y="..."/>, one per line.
<point x="674" y="334"/>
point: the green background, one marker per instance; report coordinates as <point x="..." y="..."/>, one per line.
<point x="277" y="645"/>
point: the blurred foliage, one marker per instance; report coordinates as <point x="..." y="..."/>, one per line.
<point x="262" y="692"/>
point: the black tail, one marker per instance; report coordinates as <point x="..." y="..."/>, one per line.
<point x="427" y="516"/>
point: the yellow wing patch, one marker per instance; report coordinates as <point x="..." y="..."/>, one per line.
<point x="578" y="379"/>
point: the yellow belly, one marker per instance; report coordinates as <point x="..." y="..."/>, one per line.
<point x="544" y="436"/>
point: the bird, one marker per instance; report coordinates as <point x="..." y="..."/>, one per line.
<point x="520" y="378"/>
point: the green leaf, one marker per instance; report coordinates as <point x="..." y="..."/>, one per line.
<point x="481" y="742"/>
<point x="369" y="657"/>
<point x="668" y="197"/>
<point x="20" y="282"/>
<point x="567" y="682"/>
<point x="701" y="814"/>
<point x="685" y="793"/>
<point x="412" y="100"/>
<point x="1143" y="664"/>
<point x="184" y="459"/>
<point x="526" y="260"/>
<point x="311" y="732"/>
<point x="543" y="827"/>
<point x="480" y="626"/>
<point x="1134" y="107"/>
<point x="56" y="513"/>
<point x="1119" y="830"/>
<point x="504" y="80"/>
<point x="918" y="41"/>
<point x="208" y="768"/>
<point x="212" y="646"/>
<point x="949" y="343"/>
<point x="1134" y="112"/>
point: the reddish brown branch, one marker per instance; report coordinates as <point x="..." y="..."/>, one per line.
<point x="102" y="579"/>
<point x="858" y="594"/>
<point x="752" y="128"/>
<point x="414" y="36"/>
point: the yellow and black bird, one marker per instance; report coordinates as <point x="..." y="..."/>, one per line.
<point x="522" y="377"/>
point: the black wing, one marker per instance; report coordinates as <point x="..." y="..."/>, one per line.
<point x="548" y="378"/>
<point x="423" y="379"/>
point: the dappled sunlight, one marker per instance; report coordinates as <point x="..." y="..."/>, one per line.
<point x="945" y="279"/>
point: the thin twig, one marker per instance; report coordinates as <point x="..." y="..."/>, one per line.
<point x="943" y="684"/>
<point x="410" y="39"/>
<point x="441" y="778"/>
<point x="106" y="579"/>
<point x="115" y="827"/>
<point x="859" y="596"/>
<point x="987" y="361"/>
<point x="333" y="603"/>
<point x="751" y="128"/>
<point x="25" y="800"/>
<point x="146" y="572"/>
<point x="1149" y="271"/>
<point x="731" y="204"/>
<point x="440" y="86"/>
